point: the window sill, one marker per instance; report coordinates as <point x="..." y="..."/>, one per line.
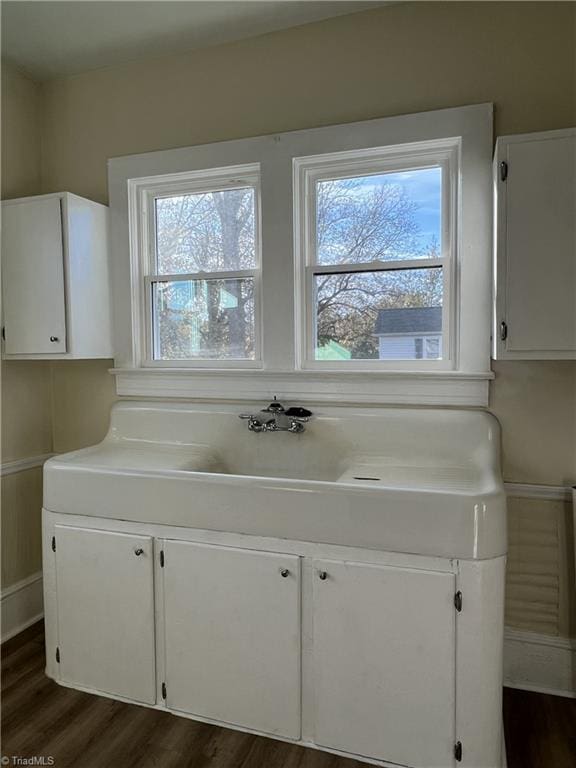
<point x="389" y="388"/>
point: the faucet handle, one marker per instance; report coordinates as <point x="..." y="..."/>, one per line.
<point x="299" y="414"/>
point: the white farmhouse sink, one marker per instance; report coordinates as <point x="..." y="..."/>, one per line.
<point x="413" y="480"/>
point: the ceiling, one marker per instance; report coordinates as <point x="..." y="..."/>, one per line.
<point x="53" y="39"/>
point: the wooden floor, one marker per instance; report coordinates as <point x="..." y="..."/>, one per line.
<point x="40" y="718"/>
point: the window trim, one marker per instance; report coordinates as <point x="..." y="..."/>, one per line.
<point x="143" y="194"/>
<point x="307" y="172"/>
<point x="465" y="385"/>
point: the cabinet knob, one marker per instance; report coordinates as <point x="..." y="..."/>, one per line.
<point x="284" y="572"/>
<point x="138" y="552"/>
<point x="54" y="338"/>
<point x="322" y="575"/>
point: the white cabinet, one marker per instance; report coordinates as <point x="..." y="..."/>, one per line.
<point x="55" y="281"/>
<point x="105" y="617"/>
<point x="232" y="636"/>
<point x="535" y="246"/>
<point x="384" y="662"/>
<point x="360" y="657"/>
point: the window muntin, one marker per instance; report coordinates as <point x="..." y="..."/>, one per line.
<point x="379" y="232"/>
<point x="203" y="284"/>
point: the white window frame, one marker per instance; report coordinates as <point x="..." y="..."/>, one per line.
<point x="308" y="171"/>
<point x="143" y="194"/>
<point x="280" y="371"/>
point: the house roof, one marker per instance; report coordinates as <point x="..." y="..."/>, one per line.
<point x="409" y="320"/>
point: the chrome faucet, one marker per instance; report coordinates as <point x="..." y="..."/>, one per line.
<point x="275" y="418"/>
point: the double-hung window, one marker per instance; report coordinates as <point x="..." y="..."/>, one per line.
<point x="203" y="266"/>
<point x="376" y="257"/>
<point x="348" y="263"/>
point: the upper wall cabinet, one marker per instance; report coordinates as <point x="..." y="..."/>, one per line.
<point x="55" y="283"/>
<point x="535" y="246"/>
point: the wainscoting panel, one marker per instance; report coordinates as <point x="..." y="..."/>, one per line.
<point x="539" y="583"/>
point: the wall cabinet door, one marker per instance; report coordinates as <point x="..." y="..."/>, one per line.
<point x="232" y="636"/>
<point x="105" y="594"/>
<point x="384" y="662"/>
<point x="535" y="307"/>
<point x="33" y="277"/>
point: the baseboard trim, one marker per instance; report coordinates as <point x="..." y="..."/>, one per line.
<point x="547" y="492"/>
<point x="539" y="663"/>
<point x="21" y="605"/>
<point x="21" y="465"/>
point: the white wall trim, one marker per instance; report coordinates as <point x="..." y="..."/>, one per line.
<point x="438" y="388"/>
<point x="275" y="153"/>
<point x="545" y="492"/>
<point x="22" y="605"/>
<point x="21" y="465"/>
<point x="540" y="663"/>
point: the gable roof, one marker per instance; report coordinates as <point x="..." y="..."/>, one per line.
<point x="409" y="320"/>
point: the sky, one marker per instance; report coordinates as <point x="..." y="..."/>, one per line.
<point x="424" y="187"/>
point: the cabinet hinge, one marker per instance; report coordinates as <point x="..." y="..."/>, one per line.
<point x="458" y="751"/>
<point x="53" y="543"/>
<point x="164" y="690"/>
<point x="3" y="333"/>
<point x="58" y="655"/>
<point x="458" y="601"/>
<point x="503" y="331"/>
<point x="503" y="170"/>
<point x="161" y="558"/>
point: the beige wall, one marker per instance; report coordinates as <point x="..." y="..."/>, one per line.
<point x="403" y="58"/>
<point x="26" y="387"/>
<point x="83" y="393"/>
<point x="394" y="60"/>
<point x="20" y="134"/>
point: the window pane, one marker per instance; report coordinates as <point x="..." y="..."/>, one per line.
<point x="204" y="319"/>
<point x="207" y="232"/>
<point x="382" y="217"/>
<point x="378" y="315"/>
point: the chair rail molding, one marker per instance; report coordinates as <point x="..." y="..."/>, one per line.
<point x="22" y="465"/>
<point x="543" y="492"/>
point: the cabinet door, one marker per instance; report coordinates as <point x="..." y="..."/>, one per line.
<point x="384" y="662"/>
<point x="536" y="246"/>
<point x="33" y="277"/>
<point x="232" y="634"/>
<point x="104" y="584"/>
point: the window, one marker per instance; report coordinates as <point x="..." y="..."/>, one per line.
<point x="376" y="256"/>
<point x="203" y="269"/>
<point x="349" y="263"/>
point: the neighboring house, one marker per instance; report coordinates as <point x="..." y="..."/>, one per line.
<point x="410" y="333"/>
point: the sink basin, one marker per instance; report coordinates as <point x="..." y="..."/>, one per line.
<point x="409" y="480"/>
